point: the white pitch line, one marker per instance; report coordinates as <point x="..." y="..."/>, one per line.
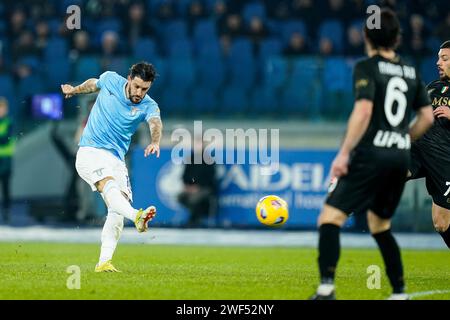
<point x="427" y="293"/>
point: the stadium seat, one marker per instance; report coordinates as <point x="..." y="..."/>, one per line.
<point x="269" y="48"/>
<point x="428" y="69"/>
<point x="29" y="86"/>
<point x="118" y="64"/>
<point x="54" y="25"/>
<point x="333" y="30"/>
<point x="145" y="49"/>
<point x="180" y="49"/>
<point x="337" y="74"/>
<point x="204" y="100"/>
<point x="234" y="100"/>
<point x="32" y="61"/>
<point x="87" y="67"/>
<point x="305" y="70"/>
<point x="57" y="73"/>
<point x="301" y="100"/>
<point x="106" y="25"/>
<point x="303" y="93"/>
<point x="204" y="31"/>
<point x="337" y="88"/>
<point x="274" y="27"/>
<point x="56" y="48"/>
<point x="263" y="101"/>
<point x="161" y="77"/>
<point x="209" y="50"/>
<point x="6" y="84"/>
<point x="241" y="50"/>
<point x="182" y="7"/>
<point x="211" y="78"/>
<point x="254" y="9"/>
<point x="176" y="29"/>
<point x="181" y="73"/>
<point x="275" y="72"/>
<point x="292" y="26"/>
<point x="176" y="101"/>
<point x="241" y="63"/>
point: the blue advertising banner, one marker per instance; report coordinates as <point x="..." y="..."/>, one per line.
<point x="302" y="180"/>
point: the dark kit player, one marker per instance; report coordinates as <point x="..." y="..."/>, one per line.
<point x="431" y="153"/>
<point x="373" y="160"/>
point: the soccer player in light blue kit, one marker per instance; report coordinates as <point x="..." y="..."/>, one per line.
<point x="121" y="105"/>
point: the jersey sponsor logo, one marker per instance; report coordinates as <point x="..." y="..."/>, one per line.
<point x="441" y="101"/>
<point x="444" y="89"/>
<point x="392" y="139"/>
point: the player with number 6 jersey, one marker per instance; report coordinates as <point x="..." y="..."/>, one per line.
<point x="370" y="167"/>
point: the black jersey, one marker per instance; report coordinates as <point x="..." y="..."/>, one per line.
<point x="439" y="133"/>
<point x="396" y="90"/>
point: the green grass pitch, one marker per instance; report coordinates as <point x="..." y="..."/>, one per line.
<point x="168" y="272"/>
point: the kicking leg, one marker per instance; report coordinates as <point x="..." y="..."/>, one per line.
<point x="118" y="202"/>
<point x="114" y="198"/>
<point x="441" y="222"/>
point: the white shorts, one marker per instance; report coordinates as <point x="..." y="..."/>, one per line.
<point x="95" y="164"/>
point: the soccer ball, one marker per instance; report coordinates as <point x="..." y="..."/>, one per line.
<point x="272" y="211"/>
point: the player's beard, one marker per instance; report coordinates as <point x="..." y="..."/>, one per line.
<point x="446" y="76"/>
<point x="131" y="97"/>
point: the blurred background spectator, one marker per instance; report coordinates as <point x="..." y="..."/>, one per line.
<point x="182" y="37"/>
<point x="200" y="189"/>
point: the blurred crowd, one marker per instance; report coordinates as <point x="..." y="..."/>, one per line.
<point x="38" y="51"/>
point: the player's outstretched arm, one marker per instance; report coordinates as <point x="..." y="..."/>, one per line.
<point x="156" y="126"/>
<point x="422" y="122"/>
<point x="89" y="86"/>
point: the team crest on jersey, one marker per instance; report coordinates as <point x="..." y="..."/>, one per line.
<point x="134" y="111"/>
<point x="361" y="83"/>
<point x="444" y="89"/>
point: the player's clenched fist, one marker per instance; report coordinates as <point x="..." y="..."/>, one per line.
<point x="152" y="149"/>
<point x="67" y="90"/>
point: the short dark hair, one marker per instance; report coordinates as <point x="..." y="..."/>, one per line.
<point x="388" y="35"/>
<point x="445" y="45"/>
<point x="145" y="71"/>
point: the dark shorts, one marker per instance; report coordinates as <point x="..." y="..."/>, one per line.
<point x="433" y="164"/>
<point x="370" y="185"/>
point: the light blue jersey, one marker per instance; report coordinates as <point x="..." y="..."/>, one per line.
<point x="114" y="118"/>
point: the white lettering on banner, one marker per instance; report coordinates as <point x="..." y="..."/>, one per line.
<point x="308" y="201"/>
<point x="298" y="177"/>
<point x="248" y="200"/>
<point x="297" y="200"/>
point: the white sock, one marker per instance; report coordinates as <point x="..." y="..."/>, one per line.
<point x="116" y="201"/>
<point x="110" y="235"/>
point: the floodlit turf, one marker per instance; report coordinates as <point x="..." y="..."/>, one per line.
<point x="38" y="271"/>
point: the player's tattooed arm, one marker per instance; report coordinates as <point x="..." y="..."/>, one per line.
<point x="155" y="125"/>
<point x="88" y="86"/>
<point x="155" y="129"/>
